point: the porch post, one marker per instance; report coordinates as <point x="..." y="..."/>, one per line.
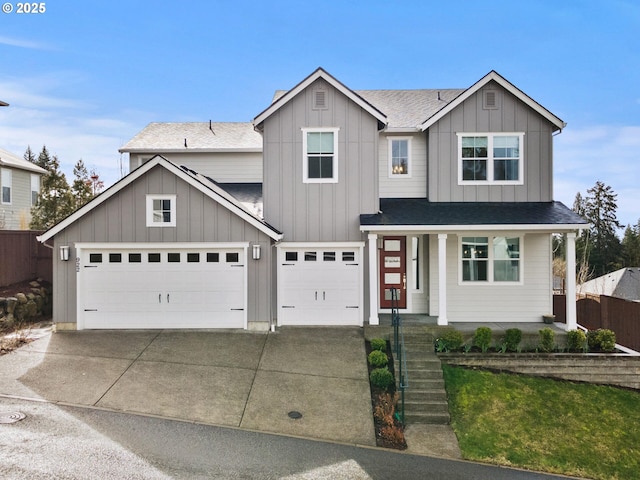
<point x="572" y="318"/>
<point x="442" y="279"/>
<point x="373" y="279"/>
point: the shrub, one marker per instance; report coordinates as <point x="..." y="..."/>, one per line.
<point x="576" y="341"/>
<point x="381" y="378"/>
<point x="603" y="340"/>
<point x="378" y="359"/>
<point x="512" y="338"/>
<point x="450" y="341"/>
<point x="482" y="338"/>
<point x="547" y="340"/>
<point x="378" y="344"/>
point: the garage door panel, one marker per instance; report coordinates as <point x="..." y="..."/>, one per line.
<point x="154" y="292"/>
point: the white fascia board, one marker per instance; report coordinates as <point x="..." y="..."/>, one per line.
<point x="319" y="73"/>
<point x="319" y="244"/>
<point x="493" y="75"/>
<point x="542" y="228"/>
<point x="402" y="129"/>
<point x="159" y="246"/>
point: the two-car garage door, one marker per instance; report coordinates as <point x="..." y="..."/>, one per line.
<point x="146" y="287"/>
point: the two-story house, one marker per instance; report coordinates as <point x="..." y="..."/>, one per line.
<point x="441" y="196"/>
<point x="19" y="190"/>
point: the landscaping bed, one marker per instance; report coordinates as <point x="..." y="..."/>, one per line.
<point x="389" y="430"/>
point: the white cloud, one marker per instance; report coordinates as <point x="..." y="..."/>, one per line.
<point x="15" y="42"/>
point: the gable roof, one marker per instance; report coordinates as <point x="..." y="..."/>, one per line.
<point x="195" y="137"/>
<point x="420" y="213"/>
<point x="319" y="73"/>
<point x="8" y="159"/>
<point x="194" y="179"/>
<point x="3" y="104"/>
<point x="500" y="80"/>
<point x="623" y="283"/>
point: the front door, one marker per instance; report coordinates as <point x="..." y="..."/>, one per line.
<point x="393" y="271"/>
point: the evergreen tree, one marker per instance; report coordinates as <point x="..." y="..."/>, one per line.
<point x="55" y="201"/>
<point x="82" y="185"/>
<point x="29" y="155"/>
<point x="631" y="246"/>
<point x="600" y="246"/>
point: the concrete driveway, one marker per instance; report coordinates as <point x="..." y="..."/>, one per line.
<point x="228" y="378"/>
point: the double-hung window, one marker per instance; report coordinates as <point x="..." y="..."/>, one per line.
<point x="491" y="158"/>
<point x="161" y="210"/>
<point x="6" y="186"/>
<point x="491" y="259"/>
<point x="320" y="155"/>
<point x="399" y="157"/>
<point x="35" y="188"/>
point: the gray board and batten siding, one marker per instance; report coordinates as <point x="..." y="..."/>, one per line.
<point x="320" y="212"/>
<point x="512" y="115"/>
<point x="199" y="219"/>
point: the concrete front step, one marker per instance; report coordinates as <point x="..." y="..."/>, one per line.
<point x="427" y="418"/>
<point x="413" y="395"/>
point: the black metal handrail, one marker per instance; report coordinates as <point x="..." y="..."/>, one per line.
<point x="399" y="349"/>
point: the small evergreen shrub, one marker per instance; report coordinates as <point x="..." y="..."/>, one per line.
<point x="576" y="341"/>
<point x="450" y="341"/>
<point x="378" y="344"/>
<point x="601" y="340"/>
<point x="381" y="378"/>
<point x="512" y="339"/>
<point x="482" y="338"/>
<point x="378" y="359"/>
<point x="547" y="340"/>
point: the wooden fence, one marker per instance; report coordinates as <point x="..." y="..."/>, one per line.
<point x="602" y="311"/>
<point x="23" y="258"/>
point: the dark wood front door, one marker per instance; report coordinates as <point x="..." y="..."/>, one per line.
<point x="393" y="271"/>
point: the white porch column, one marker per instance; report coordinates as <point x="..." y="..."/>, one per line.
<point x="572" y="318"/>
<point x="442" y="279"/>
<point x="373" y="279"/>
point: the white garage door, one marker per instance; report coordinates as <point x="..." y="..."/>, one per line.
<point x="161" y="288"/>
<point x="319" y="286"/>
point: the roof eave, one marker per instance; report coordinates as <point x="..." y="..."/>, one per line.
<point x="530" y="227"/>
<point x="503" y="82"/>
<point x="160" y="151"/>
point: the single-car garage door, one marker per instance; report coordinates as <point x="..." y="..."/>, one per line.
<point x="319" y="285"/>
<point x="161" y="287"/>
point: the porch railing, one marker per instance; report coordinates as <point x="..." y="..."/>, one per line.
<point x="399" y="350"/>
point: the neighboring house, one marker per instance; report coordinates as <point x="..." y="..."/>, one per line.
<point x="444" y="195"/>
<point x="623" y="283"/>
<point x="19" y="190"/>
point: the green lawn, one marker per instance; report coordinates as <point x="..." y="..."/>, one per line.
<point x="584" y="430"/>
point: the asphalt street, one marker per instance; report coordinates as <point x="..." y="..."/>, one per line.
<point x="56" y="441"/>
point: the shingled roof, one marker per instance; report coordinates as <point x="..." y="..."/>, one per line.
<point x="420" y="211"/>
<point x="195" y="136"/>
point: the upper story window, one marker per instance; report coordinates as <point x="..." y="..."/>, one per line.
<point x="320" y="155"/>
<point x="35" y="188"/>
<point x="399" y="157"/>
<point x="6" y="186"/>
<point x="161" y="210"/>
<point x="491" y="259"/>
<point x="491" y="158"/>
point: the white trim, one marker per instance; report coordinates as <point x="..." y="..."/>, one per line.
<point x="305" y="155"/>
<point x="442" y="279"/>
<point x="323" y="245"/>
<point x="570" y="254"/>
<point x="491" y="159"/>
<point x="374" y="319"/>
<point x="7" y="182"/>
<point x="150" y="198"/>
<point x="200" y="183"/>
<point x="490" y="262"/>
<point x="319" y="73"/>
<point x="495" y="76"/>
<point x="542" y="228"/>
<point x="409" y="174"/>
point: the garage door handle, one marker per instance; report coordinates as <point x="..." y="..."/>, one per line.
<point x="351" y="306"/>
<point x="90" y="309"/>
<point x="324" y="295"/>
<point x="159" y="298"/>
<point x="237" y="309"/>
<point x="167" y="298"/>
<point x="288" y="306"/>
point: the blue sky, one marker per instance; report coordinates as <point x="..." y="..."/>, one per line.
<point x="85" y="77"/>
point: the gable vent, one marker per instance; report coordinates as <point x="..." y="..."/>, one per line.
<point x="490" y="99"/>
<point x="320" y="99"/>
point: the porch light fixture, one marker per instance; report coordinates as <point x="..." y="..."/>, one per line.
<point x="64" y="253"/>
<point x="256" y="252"/>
